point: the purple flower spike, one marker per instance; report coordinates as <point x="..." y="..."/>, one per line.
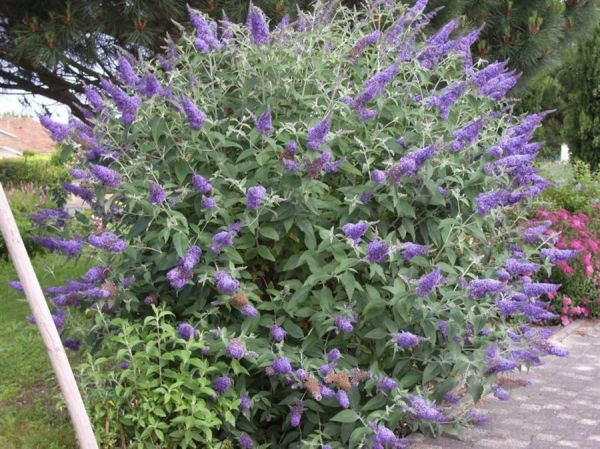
<point x="282" y="365"/>
<point x="355" y="231"/>
<point x="16" y="285"/>
<point x="373" y="87"/>
<point x="423" y="411"/>
<point x="206" y="33"/>
<point x="429" y="282"/>
<point x="222" y="384"/>
<point x="221" y="240"/>
<point x="208" y="203"/>
<point x="465" y="137"/>
<point x="378" y="176"/>
<point x="194" y="115"/>
<point x="559" y="255"/>
<point x="501" y="393"/>
<point x="127" y="105"/>
<point x="249" y="310"/>
<point x="225" y="283"/>
<point x="254" y="196"/>
<point x="94" y="98"/>
<point x="72" y="343"/>
<point x="264" y="123"/>
<point x="518" y="267"/>
<point x="258" y="26"/>
<point x="477" y="418"/>
<point x="384" y="437"/>
<point x="318" y="133"/>
<point x="126" y="72"/>
<point x="201" y="184"/>
<point x="361" y="45"/>
<point x="344" y="324"/>
<point x="245" y="403"/>
<point x="108" y="241"/>
<point x="186" y="331"/>
<point x="482" y="287"/>
<point x="236" y="349"/>
<point x="386" y="384"/>
<point x="277" y="333"/>
<point x="245" y="442"/>
<point x="451" y="398"/>
<point x="334" y="355"/>
<point x="342" y="398"/>
<point x="536" y="289"/>
<point x="412" y="250"/>
<point x="71" y="248"/>
<point x="290" y="165"/>
<point x="443" y="328"/>
<point x="157" y="194"/>
<point x="407" y="339"/>
<point x="378" y="251"/>
<point x="106" y="176"/>
<point x="58" y="131"/>
<point x="191" y="258"/>
<point x="296" y="413"/>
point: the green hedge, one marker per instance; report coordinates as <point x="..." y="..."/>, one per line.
<point x="15" y="172"/>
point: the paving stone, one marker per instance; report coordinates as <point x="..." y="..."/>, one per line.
<point x="560" y="408"/>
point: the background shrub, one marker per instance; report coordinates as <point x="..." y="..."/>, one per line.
<point x="579" y="278"/>
<point x="15" y="172"/>
<point x="24" y="201"/>
<point x="575" y="187"/>
<point x="323" y="207"/>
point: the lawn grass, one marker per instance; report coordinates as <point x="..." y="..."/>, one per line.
<point x="30" y="417"/>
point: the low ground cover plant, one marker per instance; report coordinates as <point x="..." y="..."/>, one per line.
<point x="302" y="235"/>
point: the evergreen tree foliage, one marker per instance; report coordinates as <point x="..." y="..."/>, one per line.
<point x="582" y="112"/>
<point x="532" y="34"/>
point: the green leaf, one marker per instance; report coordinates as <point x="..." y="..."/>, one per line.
<point x="376" y="334"/>
<point x="345" y="416"/>
<point x="358" y="435"/>
<point x="349" y="283"/>
<point x="431" y="371"/>
<point x="309" y="233"/>
<point x="182" y="168"/>
<point x="264" y="252"/>
<point x="374" y="403"/>
<point x="158" y="127"/>
<point x="268" y="232"/>
<point x="180" y="242"/>
<point x="476" y="390"/>
<point x="293" y="329"/>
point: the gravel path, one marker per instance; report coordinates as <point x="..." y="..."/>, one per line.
<point x="560" y="408"/>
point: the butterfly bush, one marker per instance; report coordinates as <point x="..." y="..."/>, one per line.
<point x="333" y="206"/>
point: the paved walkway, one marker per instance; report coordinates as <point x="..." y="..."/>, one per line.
<point x="560" y="408"/>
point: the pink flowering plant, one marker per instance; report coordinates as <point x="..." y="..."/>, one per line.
<point x="328" y="213"/>
<point x="576" y="262"/>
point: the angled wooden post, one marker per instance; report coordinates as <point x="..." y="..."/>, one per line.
<point x="43" y="319"/>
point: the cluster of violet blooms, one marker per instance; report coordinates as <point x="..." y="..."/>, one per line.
<point x="514" y="291"/>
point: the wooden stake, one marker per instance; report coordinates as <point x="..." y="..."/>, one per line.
<point x="43" y="319"/>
